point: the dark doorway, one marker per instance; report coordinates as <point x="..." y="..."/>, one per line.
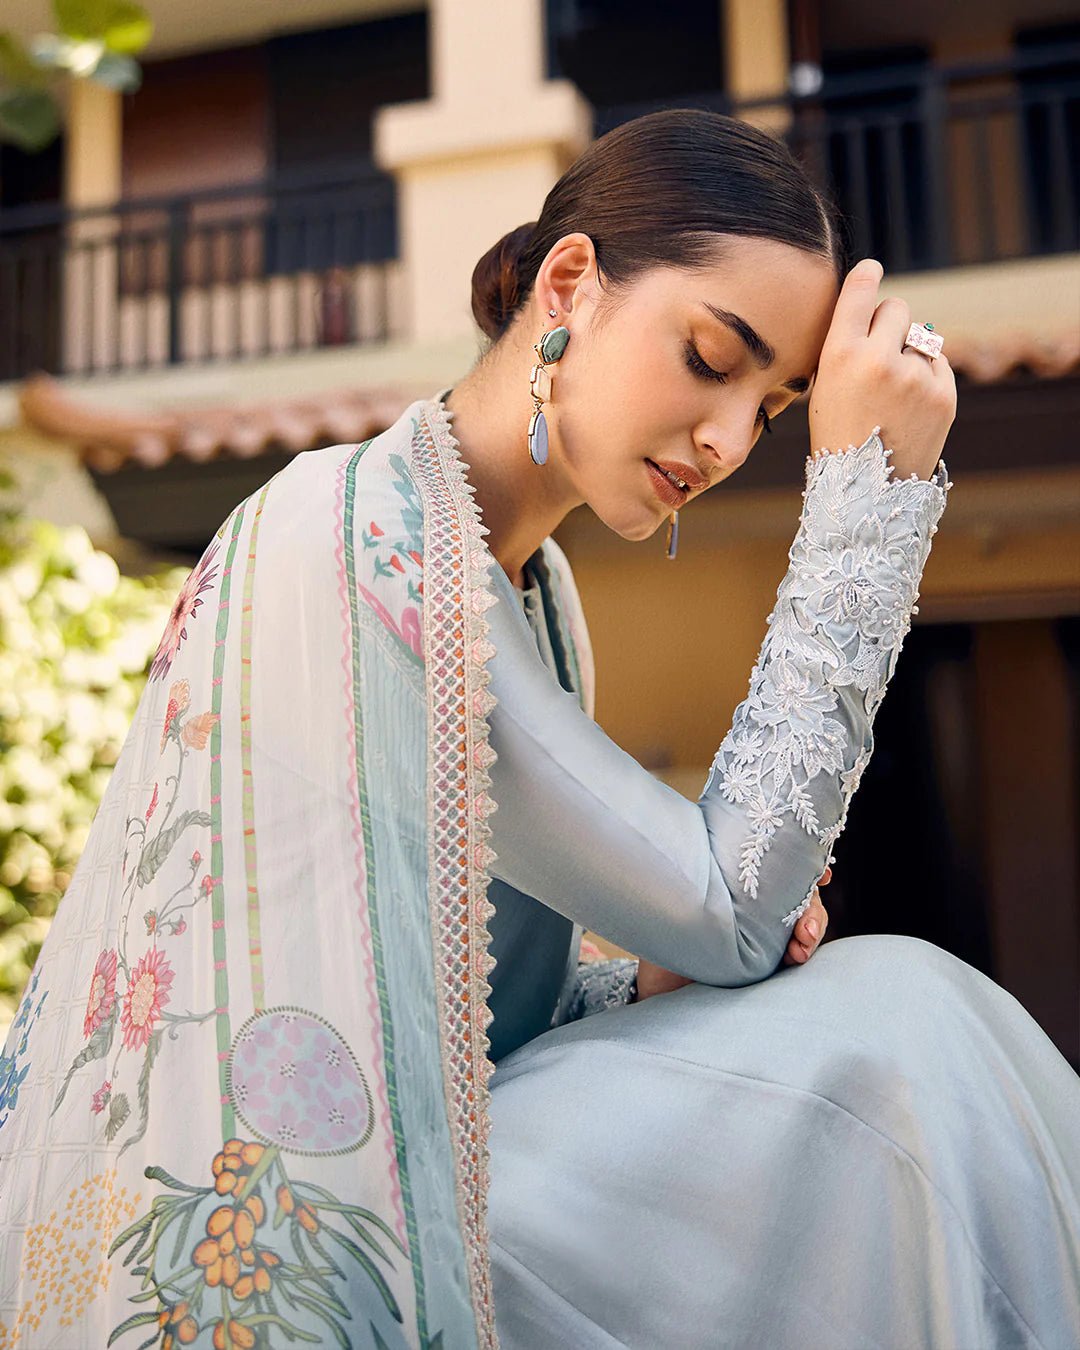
<point x="964" y="829"/>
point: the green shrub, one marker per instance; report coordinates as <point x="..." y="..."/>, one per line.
<point x="76" y="639"/>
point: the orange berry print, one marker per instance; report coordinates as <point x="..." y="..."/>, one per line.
<point x="206" y="1252"/>
<point x="244" y="1287"/>
<point x="220" y="1221"/>
<point x="244" y="1228"/>
<point x="230" y="1270"/>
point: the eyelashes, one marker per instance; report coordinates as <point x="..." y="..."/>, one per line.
<point x="700" y="367"/>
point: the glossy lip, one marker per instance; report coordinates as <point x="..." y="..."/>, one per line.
<point x="690" y="476"/>
<point x="671" y="496"/>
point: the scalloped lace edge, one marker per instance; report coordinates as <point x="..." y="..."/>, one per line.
<point x="478" y="595"/>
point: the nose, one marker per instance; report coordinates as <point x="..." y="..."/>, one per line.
<point x="723" y="448"/>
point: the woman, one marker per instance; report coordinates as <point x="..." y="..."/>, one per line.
<point x="251" y="1098"/>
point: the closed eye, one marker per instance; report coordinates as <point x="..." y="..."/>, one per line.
<point x="700" y="367"/>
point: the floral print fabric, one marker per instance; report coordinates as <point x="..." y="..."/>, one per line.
<point x="240" y="1105"/>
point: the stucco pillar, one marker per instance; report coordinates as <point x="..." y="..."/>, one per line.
<point x="757" y="56"/>
<point x="478" y="158"/>
<point x="92" y="177"/>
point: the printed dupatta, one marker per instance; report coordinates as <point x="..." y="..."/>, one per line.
<point x="244" y="1101"/>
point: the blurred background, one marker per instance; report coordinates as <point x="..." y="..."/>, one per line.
<point x="231" y="232"/>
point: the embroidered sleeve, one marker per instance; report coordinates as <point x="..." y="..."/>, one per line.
<point x="600" y="985"/>
<point x="800" y="741"/>
<point x="711" y="889"/>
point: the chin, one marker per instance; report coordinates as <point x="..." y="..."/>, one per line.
<point x="631" y="525"/>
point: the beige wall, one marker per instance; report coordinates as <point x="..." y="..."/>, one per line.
<point x="478" y="158"/>
<point x="675" y="641"/>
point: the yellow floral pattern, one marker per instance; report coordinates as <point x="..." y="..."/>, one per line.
<point x="66" y="1256"/>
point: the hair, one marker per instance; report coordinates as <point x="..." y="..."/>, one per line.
<point x="651" y="192"/>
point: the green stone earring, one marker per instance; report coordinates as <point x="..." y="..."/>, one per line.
<point x="549" y="349"/>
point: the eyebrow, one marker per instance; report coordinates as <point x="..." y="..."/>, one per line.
<point x="762" y="353"/>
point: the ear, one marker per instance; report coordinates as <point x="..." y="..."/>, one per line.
<point x="567" y="278"/>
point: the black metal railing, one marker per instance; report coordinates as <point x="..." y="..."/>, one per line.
<point x="935" y="166"/>
<point x="215" y="275"/>
<point x="932" y="167"/>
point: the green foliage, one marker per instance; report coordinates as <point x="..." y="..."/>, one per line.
<point x="94" y="40"/>
<point x="76" y="640"/>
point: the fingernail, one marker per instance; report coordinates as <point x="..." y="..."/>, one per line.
<point x="812" y="927"/>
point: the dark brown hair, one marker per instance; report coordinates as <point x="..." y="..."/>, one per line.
<point x="650" y="193"/>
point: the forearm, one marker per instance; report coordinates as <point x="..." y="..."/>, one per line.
<point x="711" y="889"/>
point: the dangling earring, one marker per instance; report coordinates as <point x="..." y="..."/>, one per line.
<point x="549" y="349"/>
<point x="673" y="535"/>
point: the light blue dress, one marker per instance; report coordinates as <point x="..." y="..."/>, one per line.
<point x="880" y="1148"/>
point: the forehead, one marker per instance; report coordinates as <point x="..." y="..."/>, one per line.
<point x="770" y="298"/>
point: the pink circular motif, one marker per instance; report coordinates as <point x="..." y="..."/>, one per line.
<point x="294" y="1082"/>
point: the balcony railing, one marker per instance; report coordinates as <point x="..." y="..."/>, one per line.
<point x="932" y="167"/>
<point x="248" y="271"/>
<point x="936" y="166"/>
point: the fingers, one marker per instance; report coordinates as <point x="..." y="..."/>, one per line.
<point x="856" y="302"/>
<point x="890" y="324"/>
<point x="808" y="933"/>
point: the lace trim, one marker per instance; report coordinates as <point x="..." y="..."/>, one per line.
<point x="457" y="650"/>
<point x="842" y="613"/>
<point x="600" y="985"/>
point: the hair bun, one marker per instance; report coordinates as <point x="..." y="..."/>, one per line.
<point x="495" y="281"/>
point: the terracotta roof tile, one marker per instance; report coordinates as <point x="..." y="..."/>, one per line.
<point x="109" y="439"/>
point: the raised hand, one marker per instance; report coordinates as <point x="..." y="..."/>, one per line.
<point x="864" y="379"/>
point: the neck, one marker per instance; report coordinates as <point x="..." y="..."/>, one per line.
<point x="521" y="502"/>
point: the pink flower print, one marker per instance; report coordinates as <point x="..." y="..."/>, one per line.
<point x="409" y="630"/>
<point x="288" y="1121"/>
<point x="153" y="803"/>
<point x="333" y="1126"/>
<point x="179" y="926"/>
<point x="416" y="557"/>
<point x="150" y="919"/>
<point x="187" y="602"/>
<point x="196" y="858"/>
<point x="395" y="561"/>
<point x="376" y="531"/>
<point x="337" y="1069"/>
<point x="179" y="698"/>
<point x="146" y="995"/>
<point x="100" y="1099"/>
<point x="102" y="997"/>
<point x="207" y="884"/>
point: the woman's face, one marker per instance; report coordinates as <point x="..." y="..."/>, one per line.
<point x="683" y="369"/>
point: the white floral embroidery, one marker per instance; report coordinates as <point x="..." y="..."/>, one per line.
<point x="599" y="985"/>
<point x="842" y="613"/>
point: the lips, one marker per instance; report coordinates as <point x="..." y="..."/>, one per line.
<point x="664" y="488"/>
<point x="689" y="475"/>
